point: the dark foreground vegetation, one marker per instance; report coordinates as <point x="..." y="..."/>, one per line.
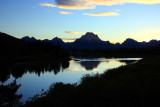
<point x="8" y="96"/>
<point x="14" y="51"/>
<point x="121" y="52"/>
<point x="135" y="85"/>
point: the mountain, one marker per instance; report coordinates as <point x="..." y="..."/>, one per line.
<point x="10" y="45"/>
<point x="12" y="40"/>
<point x="152" y="43"/>
<point x="56" y="41"/>
<point x="89" y="37"/>
<point x="29" y="39"/>
<point x="131" y="43"/>
<point x="91" y="41"/>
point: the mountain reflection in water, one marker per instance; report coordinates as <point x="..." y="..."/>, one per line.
<point x="34" y="79"/>
<point x="90" y="65"/>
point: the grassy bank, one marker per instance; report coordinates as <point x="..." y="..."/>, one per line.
<point x="136" y="85"/>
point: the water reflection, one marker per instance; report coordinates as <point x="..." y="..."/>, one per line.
<point x="90" y="65"/>
<point x="19" y="71"/>
<point x="128" y="61"/>
<point x="35" y="78"/>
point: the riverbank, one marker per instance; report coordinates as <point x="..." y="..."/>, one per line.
<point x="121" y="53"/>
<point x="128" y="86"/>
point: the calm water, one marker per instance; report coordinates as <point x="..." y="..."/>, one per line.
<point x="35" y="80"/>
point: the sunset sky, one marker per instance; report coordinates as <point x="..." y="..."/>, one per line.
<point x="113" y="20"/>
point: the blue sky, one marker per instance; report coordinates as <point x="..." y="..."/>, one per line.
<point x="69" y="19"/>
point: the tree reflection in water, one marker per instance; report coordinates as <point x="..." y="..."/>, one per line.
<point x="19" y="71"/>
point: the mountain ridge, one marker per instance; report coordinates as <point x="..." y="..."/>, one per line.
<point x="91" y="41"/>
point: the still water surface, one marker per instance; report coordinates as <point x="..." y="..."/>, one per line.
<point x="35" y="81"/>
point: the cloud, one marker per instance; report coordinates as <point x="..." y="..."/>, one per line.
<point x="74" y="4"/>
<point x="143" y="1"/>
<point x="63" y="12"/>
<point x="102" y="14"/>
<point x="91" y="4"/>
<point x="48" y="5"/>
<point x="72" y="32"/>
<point x="70" y="4"/>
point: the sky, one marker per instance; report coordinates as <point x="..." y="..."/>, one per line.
<point x="113" y="20"/>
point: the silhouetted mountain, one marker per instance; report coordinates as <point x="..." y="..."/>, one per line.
<point x="56" y="41"/>
<point x="89" y="36"/>
<point x="91" y="41"/>
<point x="46" y="40"/>
<point x="29" y="39"/>
<point x="130" y="43"/>
<point x="152" y="43"/>
<point x="10" y="46"/>
<point x="117" y="46"/>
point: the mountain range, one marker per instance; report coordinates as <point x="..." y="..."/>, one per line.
<point x="91" y="41"/>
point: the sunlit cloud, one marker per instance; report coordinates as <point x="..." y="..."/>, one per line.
<point x="102" y="14"/>
<point x="91" y="4"/>
<point x="72" y="32"/>
<point x="63" y="12"/>
<point x="48" y="5"/>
